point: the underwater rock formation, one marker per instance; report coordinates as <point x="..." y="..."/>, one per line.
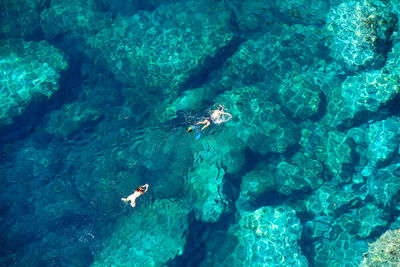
<point x="255" y="184"/>
<point x="264" y="128"/>
<point x="160" y="50"/>
<point x="261" y="240"/>
<point x="335" y="152"/>
<point x="71" y="118"/>
<point x="364" y="221"/>
<point x="382" y="139"/>
<point x="30" y="74"/>
<point x="66" y="17"/>
<point x="303" y="11"/>
<point x="359" y="96"/>
<point x="129" y="7"/>
<point x="343" y="249"/>
<point x="269" y="58"/>
<point x="385" y="251"/>
<point x="299" y="173"/>
<point x="330" y="201"/>
<point x="205" y="181"/>
<point x="385" y="185"/>
<point x="149" y="237"/>
<point x="299" y="96"/>
<point x="20" y="18"/>
<point x="360" y="32"/>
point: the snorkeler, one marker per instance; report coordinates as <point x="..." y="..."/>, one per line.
<point x="138" y="191"/>
<point x="215" y="116"/>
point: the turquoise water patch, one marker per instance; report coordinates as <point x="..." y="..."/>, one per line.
<point x="267" y="131"/>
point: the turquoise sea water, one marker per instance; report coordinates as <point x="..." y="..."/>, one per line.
<point x="96" y="98"/>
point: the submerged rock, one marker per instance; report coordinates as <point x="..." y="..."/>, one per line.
<point x="71" y="118"/>
<point x="205" y="181"/>
<point x="161" y="50"/>
<point x="385" y="185"/>
<point x="78" y="18"/>
<point x="299" y="173"/>
<point x="20" y="18"/>
<point x="343" y="249"/>
<point x="267" y="237"/>
<point x="360" y="32"/>
<point x="335" y="152"/>
<point x="382" y="138"/>
<point x="29" y="74"/>
<point x="363" y="222"/>
<point x="331" y="200"/>
<point x="255" y="184"/>
<point x="269" y="58"/>
<point x="303" y="11"/>
<point x="360" y="96"/>
<point x="261" y="124"/>
<point x="299" y="96"/>
<point x="385" y="251"/>
<point x="149" y="237"/>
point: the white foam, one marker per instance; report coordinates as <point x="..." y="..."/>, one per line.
<point x="222" y="118"/>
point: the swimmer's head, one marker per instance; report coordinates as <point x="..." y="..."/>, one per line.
<point x="220" y="108"/>
<point x="190" y="129"/>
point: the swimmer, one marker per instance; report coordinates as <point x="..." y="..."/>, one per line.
<point x="138" y="191"/>
<point x="216" y="115"/>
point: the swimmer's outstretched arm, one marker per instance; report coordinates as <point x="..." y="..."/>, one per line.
<point x="147" y="188"/>
<point x="226" y="113"/>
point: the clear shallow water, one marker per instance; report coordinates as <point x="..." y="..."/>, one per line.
<point x="305" y="171"/>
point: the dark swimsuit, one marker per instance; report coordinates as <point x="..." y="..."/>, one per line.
<point x="210" y="119"/>
<point x="140" y="190"/>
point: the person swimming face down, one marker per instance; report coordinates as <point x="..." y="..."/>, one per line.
<point x="215" y="116"/>
<point x="138" y="192"/>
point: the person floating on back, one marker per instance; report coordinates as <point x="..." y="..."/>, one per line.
<point x="215" y="117"/>
<point x="138" y="191"/>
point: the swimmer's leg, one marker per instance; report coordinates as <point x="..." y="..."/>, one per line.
<point x="133" y="204"/>
<point x="202" y="122"/>
<point x="125" y="200"/>
<point x="205" y="126"/>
